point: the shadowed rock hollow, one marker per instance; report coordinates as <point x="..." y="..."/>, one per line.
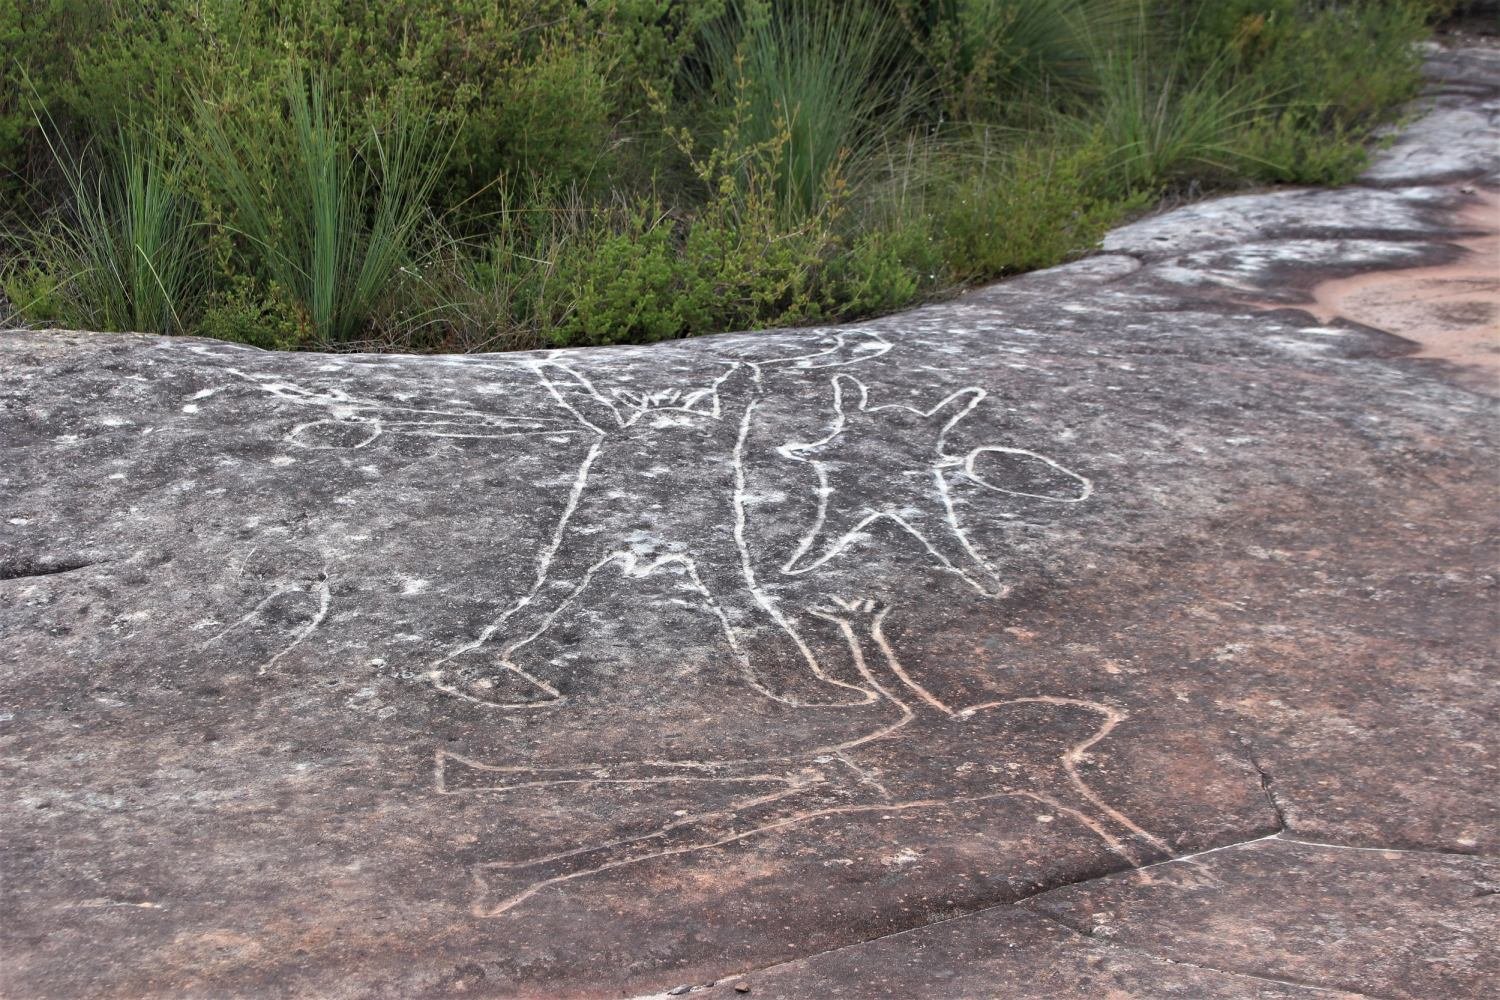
<point x="599" y="672"/>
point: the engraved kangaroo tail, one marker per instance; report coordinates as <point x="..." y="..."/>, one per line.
<point x="862" y="623"/>
<point x="1079" y="726"/>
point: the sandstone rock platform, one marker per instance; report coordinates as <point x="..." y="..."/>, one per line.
<point x="1127" y="629"/>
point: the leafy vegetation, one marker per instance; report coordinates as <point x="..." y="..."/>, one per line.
<point x="498" y="174"/>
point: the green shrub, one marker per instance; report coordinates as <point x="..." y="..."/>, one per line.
<point x="1036" y="206"/>
<point x="883" y="269"/>
<point x="483" y="174"/>
<point x="740" y="260"/>
<point x="1334" y="64"/>
<point x="993" y="57"/>
<point x="1286" y="148"/>
<point x="245" y="312"/>
<point x="524" y="86"/>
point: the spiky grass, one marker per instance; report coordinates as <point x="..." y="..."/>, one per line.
<point x="326" y="209"/>
<point x="122" y="253"/>
<point x="817" y="79"/>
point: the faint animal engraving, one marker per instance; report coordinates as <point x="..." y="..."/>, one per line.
<point x="891" y="463"/>
<point x="928" y="755"/>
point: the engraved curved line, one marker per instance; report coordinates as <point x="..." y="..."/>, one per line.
<point x="840" y="347"/>
<point x="810" y="777"/>
<point x="545" y="557"/>
<point x="322" y="588"/>
<point x="293" y="436"/>
<point x="1076" y="754"/>
<point x="481" y="910"/>
<point x="588" y="387"/>
<point x="633" y="566"/>
<point x="325" y="601"/>
<point x="747" y="566"/>
<point x="877" y="633"/>
<point x="440" y="777"/>
<point x="352" y="409"/>
<point x="977" y="479"/>
<point x="942" y="461"/>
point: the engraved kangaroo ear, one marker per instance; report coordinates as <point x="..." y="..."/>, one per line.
<point x="734" y="391"/>
<point x="850" y="393"/>
<point x="958" y="404"/>
<point x="738" y="378"/>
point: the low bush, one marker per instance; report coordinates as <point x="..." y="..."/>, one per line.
<point x="498" y="174"/>
<point x="1031" y="206"/>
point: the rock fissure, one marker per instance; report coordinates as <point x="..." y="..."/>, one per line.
<point x="1298" y="984"/>
<point x="23" y="567"/>
<point x="1267" y="787"/>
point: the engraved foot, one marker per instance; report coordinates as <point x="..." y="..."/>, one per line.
<point x="479" y="677"/>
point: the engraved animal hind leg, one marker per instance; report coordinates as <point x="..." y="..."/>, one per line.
<point x="483" y="671"/>
<point x="1059" y="781"/>
<point x="774" y="657"/>
<point x="1051" y="736"/>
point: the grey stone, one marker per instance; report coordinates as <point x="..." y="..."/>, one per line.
<point x="590" y="673"/>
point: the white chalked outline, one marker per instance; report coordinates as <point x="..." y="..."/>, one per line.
<point x="623" y="410"/>
<point x="322" y="587"/>
<point x="822" y="773"/>
<point x="630" y="563"/>
<point x="377" y="418"/>
<point x="848" y="347"/>
<point x="967" y="399"/>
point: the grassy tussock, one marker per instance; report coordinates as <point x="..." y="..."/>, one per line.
<point x="489" y="175"/>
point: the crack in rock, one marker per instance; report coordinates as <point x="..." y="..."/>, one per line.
<point x="24" y="567"/>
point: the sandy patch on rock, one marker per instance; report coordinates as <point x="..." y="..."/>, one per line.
<point x="1452" y="310"/>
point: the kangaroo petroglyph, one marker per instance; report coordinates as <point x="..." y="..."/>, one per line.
<point x="909" y="486"/>
<point x="928" y="755"/>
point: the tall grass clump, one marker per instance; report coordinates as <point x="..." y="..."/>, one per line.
<point x="1162" y="125"/>
<point x="328" y="210"/>
<point x="1003" y="58"/>
<point x="497" y="174"/>
<point x="122" y="252"/>
<point x="825" y="76"/>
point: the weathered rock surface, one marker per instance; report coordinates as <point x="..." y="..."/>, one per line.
<point x="593" y="673"/>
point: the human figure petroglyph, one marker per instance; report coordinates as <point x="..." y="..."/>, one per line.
<point x="661" y="489"/>
<point x="927" y="755"/>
